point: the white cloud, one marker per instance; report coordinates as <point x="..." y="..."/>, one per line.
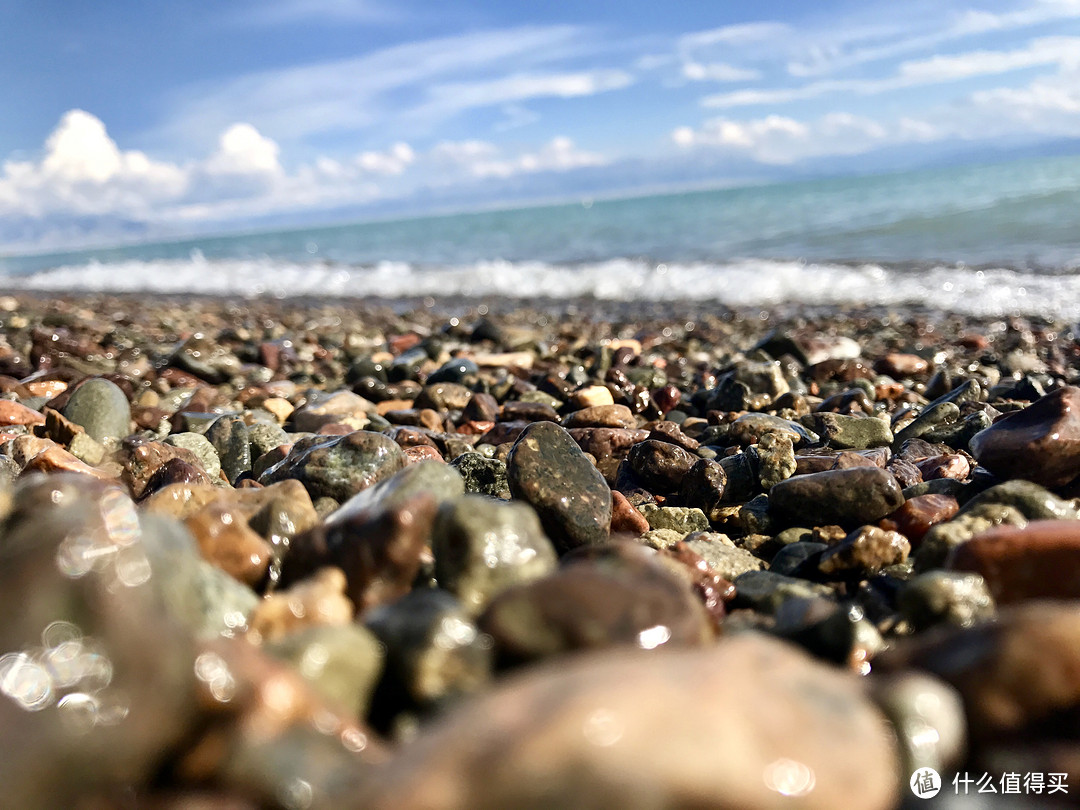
<point x="393" y="161"/>
<point x="742" y="34"/>
<point x="242" y="149"/>
<point x="780" y="140"/>
<point x="484" y="160"/>
<point x="718" y="72"/>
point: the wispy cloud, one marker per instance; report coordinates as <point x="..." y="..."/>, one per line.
<point x="291" y="12"/>
<point x="406" y="88"/>
<point x="1063" y="51"/>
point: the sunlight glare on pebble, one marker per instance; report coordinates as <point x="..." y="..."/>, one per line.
<point x="789" y="778"/>
<point x="603" y="728"/>
<point x="653" y="637"/>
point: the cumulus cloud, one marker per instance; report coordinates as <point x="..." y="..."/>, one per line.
<point x="83" y="172"/>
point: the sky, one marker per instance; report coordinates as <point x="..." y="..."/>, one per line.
<point x="130" y="119"/>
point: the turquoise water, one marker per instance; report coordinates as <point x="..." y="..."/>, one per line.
<point x="1001" y="237"/>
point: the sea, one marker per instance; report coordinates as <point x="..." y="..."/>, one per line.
<point x="988" y="240"/>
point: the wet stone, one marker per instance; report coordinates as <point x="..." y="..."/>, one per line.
<point x="15" y="413"/>
<point x="625" y="518"/>
<point x="946" y="597"/>
<point x="791" y="559"/>
<point x="100" y="407"/>
<point x="1038" y="561"/>
<point x="483" y="547"/>
<point x="865" y="551"/>
<point x="749" y="428"/>
<point x="381" y="552"/>
<point x="840" y="633"/>
<point x="625" y="597"/>
<point x="1040" y="443"/>
<point x="1030" y="499"/>
<point x="175" y="471"/>
<point x="660" y="465"/>
<point x="916" y="515"/>
<point x="339" y="467"/>
<point x="440" y="482"/>
<point x="704" y="487"/>
<point x="226" y="540"/>
<point x="547" y="469"/>
<point x="928" y="717"/>
<point x="340" y="407"/>
<point x="483" y="476"/>
<point x="847" y="497"/>
<point x="670" y="432"/>
<point x="140" y="460"/>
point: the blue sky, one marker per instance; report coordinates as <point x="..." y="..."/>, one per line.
<point x="133" y="118"/>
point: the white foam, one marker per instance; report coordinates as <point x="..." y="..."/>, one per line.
<point x="739" y="283"/>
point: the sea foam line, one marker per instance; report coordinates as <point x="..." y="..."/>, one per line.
<point x="738" y="283"/>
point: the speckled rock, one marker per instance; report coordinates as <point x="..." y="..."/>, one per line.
<point x="660" y="465"/>
<point x="1040" y="443"/>
<point x="749" y="428"/>
<point x="547" y="469"/>
<point x="340" y="466"/>
<point x="848" y="497"/>
<point x="682" y="519"/>
<point x="865" y="551"/>
<point x="101" y="408"/>
<point x="1031" y="500"/>
<point x="483" y="547"/>
<point x="1040" y="560"/>
<point x="946" y="597"/>
<point x="776" y="459"/>
<point x="585" y="733"/>
<point x="483" y="476"/>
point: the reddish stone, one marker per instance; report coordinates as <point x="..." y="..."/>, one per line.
<point x="402" y="343"/>
<point x="503" y="432"/>
<point x="899" y="365"/>
<point x="667" y="398"/>
<point x="611" y="416"/>
<point x="949" y="465"/>
<point x="14" y="413"/>
<point x="475" y="427"/>
<point x="1041" y="560"/>
<point x="334" y="429"/>
<point x="1040" y="443"/>
<point x="625" y="519"/>
<point x="917" y="515"/>
<point x="422" y="452"/>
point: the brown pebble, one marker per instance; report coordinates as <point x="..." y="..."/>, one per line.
<point x="1041" y="560"/>
<point x="915" y="517"/>
<point x="625" y="519"/>
<point x="15" y="413"/>
<point x="611" y="416"/>
<point x="317" y="600"/>
<point x="900" y="365"/>
<point x="422" y="452"/>
<point x="226" y="540"/>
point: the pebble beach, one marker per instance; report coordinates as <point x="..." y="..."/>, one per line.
<point x="430" y="553"/>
